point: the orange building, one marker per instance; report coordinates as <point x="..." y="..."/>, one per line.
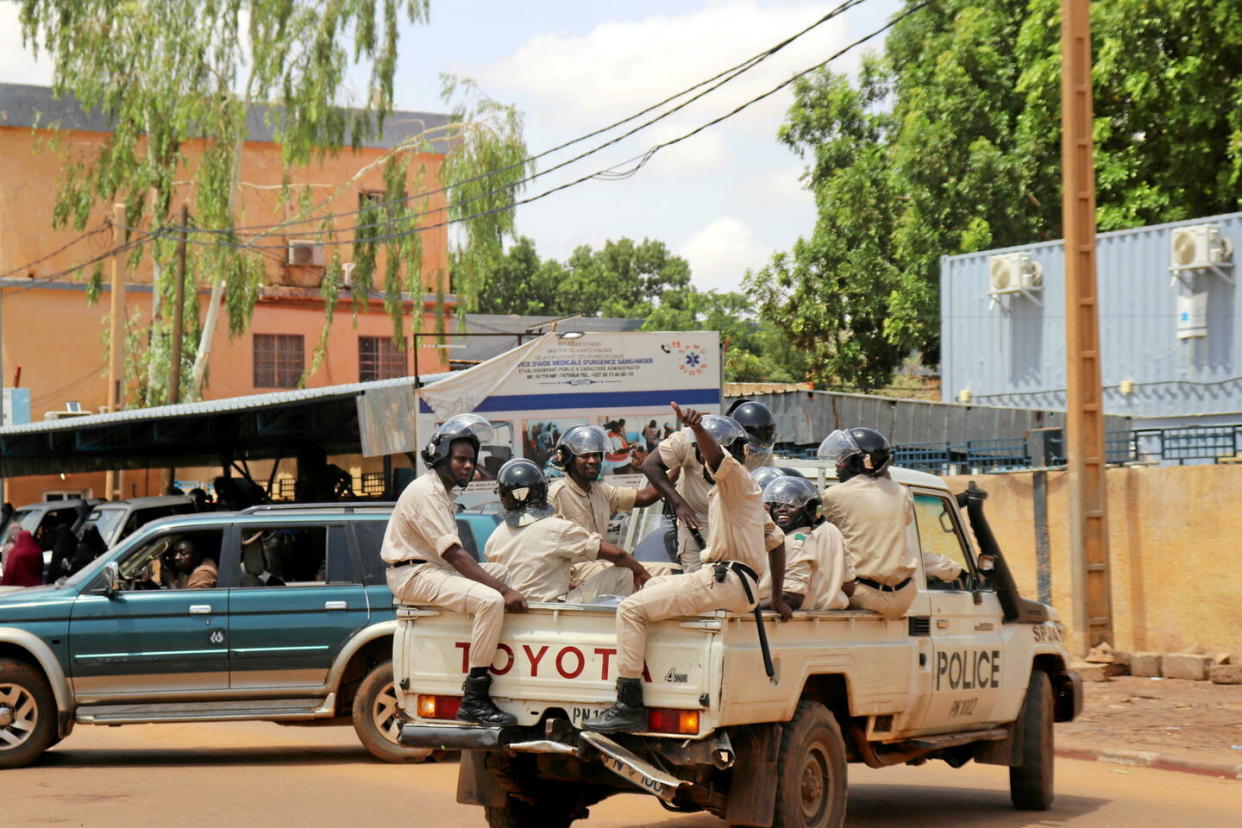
<point x="57" y="342"/>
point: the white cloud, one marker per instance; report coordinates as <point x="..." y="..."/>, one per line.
<point x="622" y="66"/>
<point x="721" y="253"/>
<point x="17" y="63"/>
<point x="784" y="184"/>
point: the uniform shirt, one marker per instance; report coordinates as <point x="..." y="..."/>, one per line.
<point x="940" y="567"/>
<point x="816" y="564"/>
<point x="590" y="509"/>
<point x="738" y="526"/>
<point x="540" y="555"/>
<point x="873" y="514"/>
<point x="422" y="526"/>
<point x="677" y="452"/>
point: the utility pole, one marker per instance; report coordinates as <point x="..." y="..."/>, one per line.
<point x="178" y="324"/>
<point x="1084" y="410"/>
<point x="116" y="340"/>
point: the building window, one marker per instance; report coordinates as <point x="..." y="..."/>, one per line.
<point x="278" y="360"/>
<point x="380" y="358"/>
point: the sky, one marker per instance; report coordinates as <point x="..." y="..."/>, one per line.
<point x="725" y="199"/>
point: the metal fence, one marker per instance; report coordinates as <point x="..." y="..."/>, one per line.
<point x="1160" y="446"/>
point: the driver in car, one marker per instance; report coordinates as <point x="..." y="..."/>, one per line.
<point x="193" y="570"/>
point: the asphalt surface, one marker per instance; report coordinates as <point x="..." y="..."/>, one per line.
<point x="261" y="774"/>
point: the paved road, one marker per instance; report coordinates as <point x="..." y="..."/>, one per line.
<point x="262" y="774"/>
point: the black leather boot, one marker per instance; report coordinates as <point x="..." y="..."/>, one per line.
<point x="627" y="713"/>
<point x="477" y="706"/>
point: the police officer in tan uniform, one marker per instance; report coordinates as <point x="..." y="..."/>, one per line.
<point x="874" y="514"/>
<point x="818" y="572"/>
<point x="429" y="566"/>
<point x="539" y="548"/>
<point x="734" y="560"/>
<point x="581" y="496"/>
<point x="689" y="496"/>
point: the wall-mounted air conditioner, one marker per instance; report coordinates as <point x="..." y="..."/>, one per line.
<point x="304" y="253"/>
<point x="1199" y="247"/>
<point x="1011" y="274"/>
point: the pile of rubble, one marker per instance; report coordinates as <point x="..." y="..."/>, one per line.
<point x="1103" y="662"/>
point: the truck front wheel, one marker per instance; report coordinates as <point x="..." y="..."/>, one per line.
<point x="377" y="718"/>
<point x="810" y="788"/>
<point x="1030" y="783"/>
<point x="27" y="714"/>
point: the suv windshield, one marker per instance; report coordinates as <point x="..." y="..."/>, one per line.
<point x="106" y="521"/>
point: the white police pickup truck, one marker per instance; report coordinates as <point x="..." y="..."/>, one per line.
<point x="973" y="672"/>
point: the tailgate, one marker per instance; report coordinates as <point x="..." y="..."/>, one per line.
<point x="555" y="657"/>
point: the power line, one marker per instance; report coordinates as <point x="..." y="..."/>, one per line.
<point x="723" y="77"/>
<point x="121" y="248"/>
<point x="55" y="252"/>
<point x="639" y="161"/>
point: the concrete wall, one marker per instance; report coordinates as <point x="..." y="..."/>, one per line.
<point x="1176" y="559"/>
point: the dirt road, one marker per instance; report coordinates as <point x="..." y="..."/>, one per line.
<point x="259" y="774"/>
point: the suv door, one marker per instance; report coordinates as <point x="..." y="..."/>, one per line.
<point x="297" y="600"/>
<point x="150" y="638"/>
<point x="967" y="673"/>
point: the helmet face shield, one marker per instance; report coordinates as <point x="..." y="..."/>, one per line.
<point x="789" y="491"/>
<point x="585" y="439"/>
<point x="765" y="475"/>
<point x="466" y="425"/>
<point x="726" y="430"/>
<point x="523" y="492"/>
<point x="837" y="446"/>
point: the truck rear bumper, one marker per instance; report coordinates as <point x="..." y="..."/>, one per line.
<point x="451" y="737"/>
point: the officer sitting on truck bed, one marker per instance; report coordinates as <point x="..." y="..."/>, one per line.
<point x="818" y="572"/>
<point x="689" y="497"/>
<point x="874" y="513"/>
<point x="735" y="559"/>
<point x="428" y="566"/>
<point x="539" y="548"/>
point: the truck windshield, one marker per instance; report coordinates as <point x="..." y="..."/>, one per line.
<point x="106" y="521"/>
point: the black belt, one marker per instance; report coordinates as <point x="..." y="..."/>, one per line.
<point x="408" y="562"/>
<point x="745" y="572"/>
<point x="883" y="587"/>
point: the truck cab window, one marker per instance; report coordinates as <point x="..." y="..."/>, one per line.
<point x="945" y="556"/>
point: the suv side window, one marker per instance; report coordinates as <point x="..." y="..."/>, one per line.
<point x="294" y="555"/>
<point x="154" y="565"/>
<point x="945" y="556"/>
<point x="370" y="537"/>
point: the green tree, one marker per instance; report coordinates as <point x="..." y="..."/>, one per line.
<point x="949" y="143"/>
<point x="165" y="71"/>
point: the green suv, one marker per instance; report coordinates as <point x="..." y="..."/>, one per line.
<point x="297" y="628"/>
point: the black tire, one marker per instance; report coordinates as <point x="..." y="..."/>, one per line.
<point x="518" y="814"/>
<point x="1030" y="783"/>
<point x="27" y="714"/>
<point x="811" y="785"/>
<point x="377" y="718"/>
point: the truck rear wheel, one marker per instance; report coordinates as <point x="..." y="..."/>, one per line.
<point x="810" y="788"/>
<point x="27" y="714"/>
<point x="377" y="718"/>
<point x="1030" y="783"/>
<point x="515" y="813"/>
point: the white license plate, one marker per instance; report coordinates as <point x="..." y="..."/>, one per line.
<point x="580" y="715"/>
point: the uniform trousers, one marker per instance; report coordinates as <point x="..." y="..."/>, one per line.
<point x="672" y="596"/>
<point x="688" y="548"/>
<point x="888" y="604"/>
<point x="591" y="579"/>
<point x="428" y="585"/>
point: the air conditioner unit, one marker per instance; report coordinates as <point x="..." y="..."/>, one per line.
<point x="304" y="253"/>
<point x="1013" y="273"/>
<point x="1199" y="245"/>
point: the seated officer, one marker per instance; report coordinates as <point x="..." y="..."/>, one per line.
<point x="733" y="559"/>
<point x="539" y="548"/>
<point x="874" y="514"/>
<point x="818" y="571"/>
<point x="581" y="496"/>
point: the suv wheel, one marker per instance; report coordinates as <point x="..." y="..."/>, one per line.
<point x="1030" y="783"/>
<point x="378" y="718"/>
<point x="27" y="714"/>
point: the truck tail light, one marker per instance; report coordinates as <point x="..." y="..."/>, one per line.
<point x="667" y="720"/>
<point x="438" y="707"/>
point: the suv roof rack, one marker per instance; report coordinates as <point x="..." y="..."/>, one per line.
<point x="347" y="506"/>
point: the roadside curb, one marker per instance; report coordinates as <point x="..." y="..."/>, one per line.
<point x="1156" y="761"/>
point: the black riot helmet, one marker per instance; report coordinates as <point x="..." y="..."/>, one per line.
<point x="856" y="451"/>
<point x="797" y="492"/>
<point x="577" y="441"/>
<point x="759" y="423"/>
<point x="470" y="427"/>
<point x="790" y="471"/>
<point x="523" y="492"/>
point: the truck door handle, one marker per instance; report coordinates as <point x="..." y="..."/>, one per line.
<point x="200" y="609"/>
<point x="335" y="605"/>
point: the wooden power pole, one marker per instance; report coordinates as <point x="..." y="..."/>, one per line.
<point x="1084" y="410"/>
<point x="178" y="327"/>
<point x="116" y="336"/>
